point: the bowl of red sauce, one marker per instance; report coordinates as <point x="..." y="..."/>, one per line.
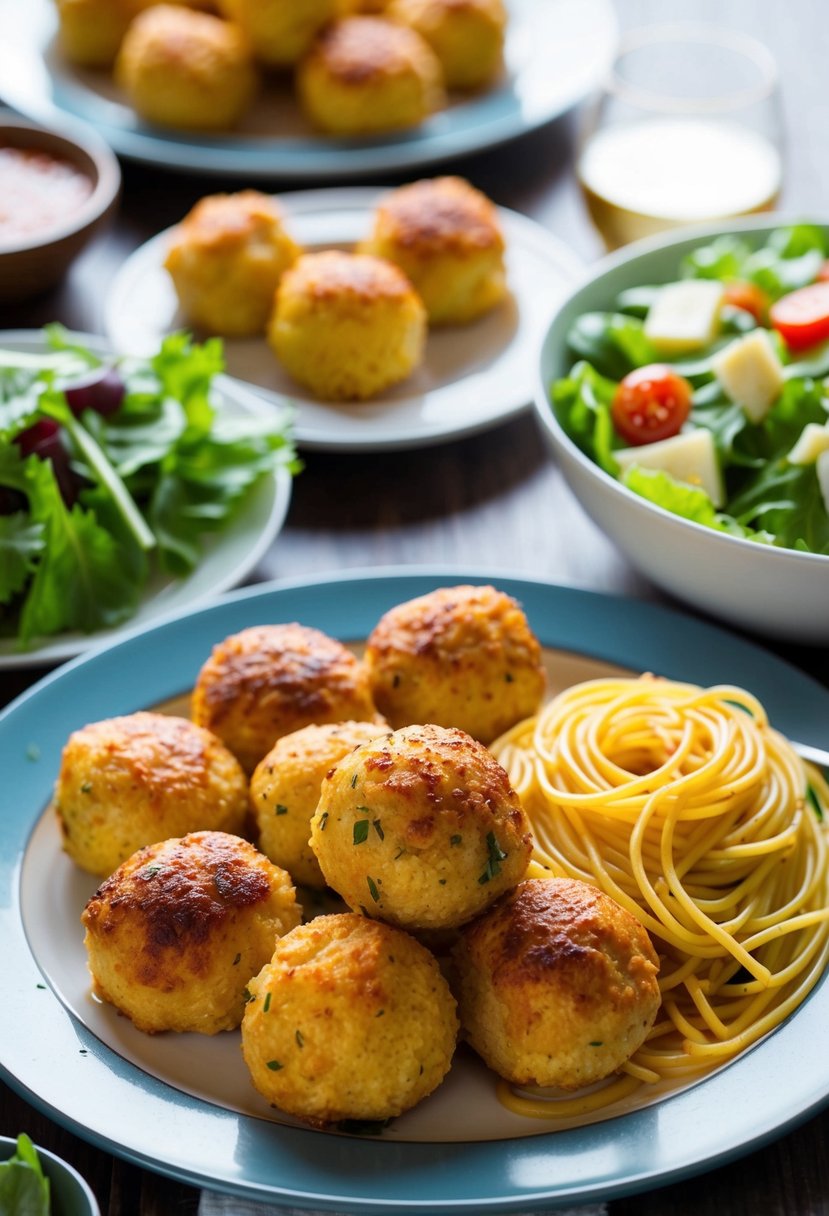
<point x="56" y="189"/>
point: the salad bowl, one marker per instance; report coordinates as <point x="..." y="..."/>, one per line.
<point x="740" y="574"/>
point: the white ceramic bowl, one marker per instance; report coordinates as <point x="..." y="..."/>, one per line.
<point x="781" y="593"/>
<point x="70" y="1195"/>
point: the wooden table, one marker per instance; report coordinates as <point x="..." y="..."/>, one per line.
<point x="494" y="501"/>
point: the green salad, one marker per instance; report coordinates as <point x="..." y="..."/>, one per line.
<point x="24" y="1188"/>
<point x="710" y="396"/>
<point x="109" y="470"/>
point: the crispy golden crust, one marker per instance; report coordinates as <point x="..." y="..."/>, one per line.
<point x="176" y="932"/>
<point x="281" y="31"/>
<point x="347" y="325"/>
<point x="285" y="790"/>
<point x="226" y="260"/>
<point x="270" y="680"/>
<point x="557" y="984"/>
<point x="130" y="781"/>
<point x="460" y="656"/>
<point x="352" y="1019"/>
<point x="367" y="74"/>
<point x="182" y="68"/>
<point x="466" y="35"/>
<point x="420" y="828"/>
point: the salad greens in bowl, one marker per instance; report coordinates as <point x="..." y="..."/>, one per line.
<point x="128" y="486"/>
<point x="684" y="388"/>
<point x="34" y="1182"/>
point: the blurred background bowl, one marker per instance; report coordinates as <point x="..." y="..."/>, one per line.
<point x="781" y="593"/>
<point x="70" y="1195"/>
<point x="37" y="260"/>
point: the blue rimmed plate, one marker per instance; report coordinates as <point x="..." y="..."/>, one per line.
<point x="93" y="1086"/>
<point x="557" y="51"/>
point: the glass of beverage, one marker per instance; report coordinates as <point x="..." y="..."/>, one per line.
<point x="687" y="129"/>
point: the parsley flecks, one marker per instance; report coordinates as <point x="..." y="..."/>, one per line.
<point x="597" y="1043"/>
<point x="151" y="871"/>
<point x="248" y="995"/>
<point x="495" y="855"/>
<point x="399" y="853"/>
<point x="509" y="677"/>
<point x="361" y="831"/>
<point x="274" y="1065"/>
<point x="372" y="887"/>
<point x="354" y="781"/>
<point x="379" y="1013"/>
<point x="363" y="810"/>
<point x="378" y="829"/>
<point x="267" y="1003"/>
<point x="237" y="960"/>
<point x="814" y="801"/>
<point x="33" y="752"/>
<point x="281" y="809"/>
<point x="455" y="840"/>
<point x="86" y="787"/>
<point x="323" y="820"/>
<point x="300" y="1042"/>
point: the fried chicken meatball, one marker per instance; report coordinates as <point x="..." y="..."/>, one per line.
<point x="285" y="790"/>
<point x="420" y="828"/>
<point x="270" y="680"/>
<point x="466" y="35"/>
<point x="351" y="1019"/>
<point x="174" y="935"/>
<point x="226" y="259"/>
<point x="556" y="984"/>
<point x="446" y="238"/>
<point x="184" y="69"/>
<point x="366" y="74"/>
<point x="347" y="325"/>
<point x="91" y="31"/>
<point x="131" y="781"/>
<point x="280" y="31"/>
<point x="459" y="656"/>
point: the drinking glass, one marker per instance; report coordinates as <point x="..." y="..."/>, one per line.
<point x="687" y="129"/>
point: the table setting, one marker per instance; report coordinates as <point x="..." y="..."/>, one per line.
<point x="587" y="414"/>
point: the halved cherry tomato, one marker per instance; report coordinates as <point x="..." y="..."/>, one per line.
<point x="802" y="317"/>
<point x="749" y="297"/>
<point x="650" y="404"/>
<point x="823" y="273"/>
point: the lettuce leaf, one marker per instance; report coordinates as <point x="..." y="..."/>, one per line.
<point x="688" y="501"/>
<point x="24" y="1188"/>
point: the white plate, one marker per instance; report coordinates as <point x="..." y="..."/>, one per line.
<point x="229" y="555"/>
<point x="473" y="376"/>
<point x="556" y="52"/>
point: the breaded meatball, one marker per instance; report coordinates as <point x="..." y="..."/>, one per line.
<point x="174" y="935"/>
<point x="131" y="781"/>
<point x="226" y="259"/>
<point x="184" y="69"/>
<point x="351" y="1019"/>
<point x="366" y="74"/>
<point x="459" y="656"/>
<point x="420" y="828"/>
<point x="285" y="790"/>
<point x="91" y="31"/>
<point x="556" y="984"/>
<point x="280" y="31"/>
<point x="466" y="35"/>
<point x="446" y="237"/>
<point x="347" y="325"/>
<point x="270" y="680"/>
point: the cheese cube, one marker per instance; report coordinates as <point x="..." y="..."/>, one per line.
<point x="690" y="458"/>
<point x="685" y="316"/>
<point x="751" y="373"/>
<point x="822" y="468"/>
<point x="813" y="440"/>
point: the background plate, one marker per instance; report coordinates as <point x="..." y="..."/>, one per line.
<point x="557" y="51"/>
<point x="56" y="1063"/>
<point x="472" y="377"/>
<point x="229" y="556"/>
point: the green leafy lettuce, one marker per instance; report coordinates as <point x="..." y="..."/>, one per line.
<point x="24" y="1188"/>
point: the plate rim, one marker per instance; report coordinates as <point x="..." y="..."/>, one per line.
<point x="311" y="161"/>
<point x="506" y="1172"/>
<point x="66" y="646"/>
<point x="328" y="200"/>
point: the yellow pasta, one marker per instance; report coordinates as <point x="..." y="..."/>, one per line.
<point x="683" y="804"/>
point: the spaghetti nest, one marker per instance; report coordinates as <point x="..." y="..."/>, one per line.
<point x="683" y="804"/>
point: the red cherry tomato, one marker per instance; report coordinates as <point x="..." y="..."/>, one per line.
<point x="802" y="317"/>
<point x="650" y="404"/>
<point x="823" y="273"/>
<point x="749" y="297"/>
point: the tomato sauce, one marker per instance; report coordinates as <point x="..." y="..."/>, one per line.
<point x="38" y="192"/>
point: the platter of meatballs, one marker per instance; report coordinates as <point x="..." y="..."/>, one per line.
<point x="300" y="89"/>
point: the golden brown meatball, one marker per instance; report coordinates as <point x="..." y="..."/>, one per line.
<point x="366" y="74"/>
<point x="446" y="237"/>
<point x="346" y="325"/>
<point x="91" y="31"/>
<point x="285" y="790"/>
<point x="352" y="1019"/>
<point x="556" y="984"/>
<point x="466" y="35"/>
<point x="280" y="31"/>
<point x="226" y="259"/>
<point x="131" y="781"/>
<point x="420" y="828"/>
<point x="459" y="656"/>
<point x="184" y="69"/>
<point x="270" y="680"/>
<point x="174" y="935"/>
